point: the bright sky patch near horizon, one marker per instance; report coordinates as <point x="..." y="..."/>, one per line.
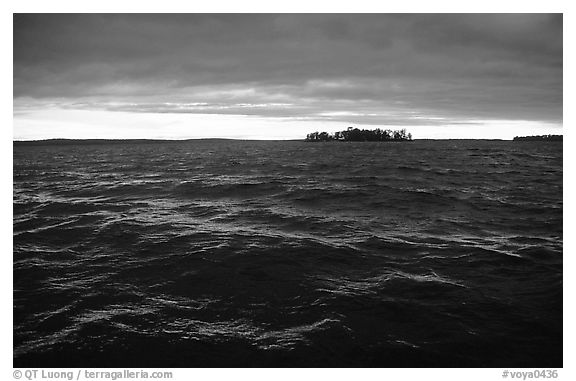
<point x="280" y="76"/>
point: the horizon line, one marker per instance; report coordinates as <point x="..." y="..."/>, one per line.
<point x="194" y="139"/>
<point x="239" y="139"/>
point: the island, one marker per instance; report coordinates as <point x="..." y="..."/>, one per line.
<point x="539" y="138"/>
<point x="357" y="135"/>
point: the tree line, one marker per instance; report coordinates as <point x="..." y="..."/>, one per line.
<point x="357" y="135"/>
<point x="539" y="138"/>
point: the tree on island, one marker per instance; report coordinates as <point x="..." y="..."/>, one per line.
<point x="356" y="135"/>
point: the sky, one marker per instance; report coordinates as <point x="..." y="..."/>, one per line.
<point x="280" y="76"/>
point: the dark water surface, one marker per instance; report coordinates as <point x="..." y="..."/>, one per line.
<point x="245" y="253"/>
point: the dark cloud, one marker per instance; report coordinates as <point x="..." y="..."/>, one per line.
<point x="370" y="67"/>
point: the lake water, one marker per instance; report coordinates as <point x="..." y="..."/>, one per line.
<point x="253" y="253"/>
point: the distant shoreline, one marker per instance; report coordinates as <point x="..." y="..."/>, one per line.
<point x="152" y="141"/>
<point x="539" y="138"/>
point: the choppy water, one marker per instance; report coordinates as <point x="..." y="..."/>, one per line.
<point x="232" y="253"/>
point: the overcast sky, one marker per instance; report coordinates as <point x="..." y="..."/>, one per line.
<point x="281" y="76"/>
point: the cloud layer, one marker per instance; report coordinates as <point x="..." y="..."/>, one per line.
<point x="359" y="68"/>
